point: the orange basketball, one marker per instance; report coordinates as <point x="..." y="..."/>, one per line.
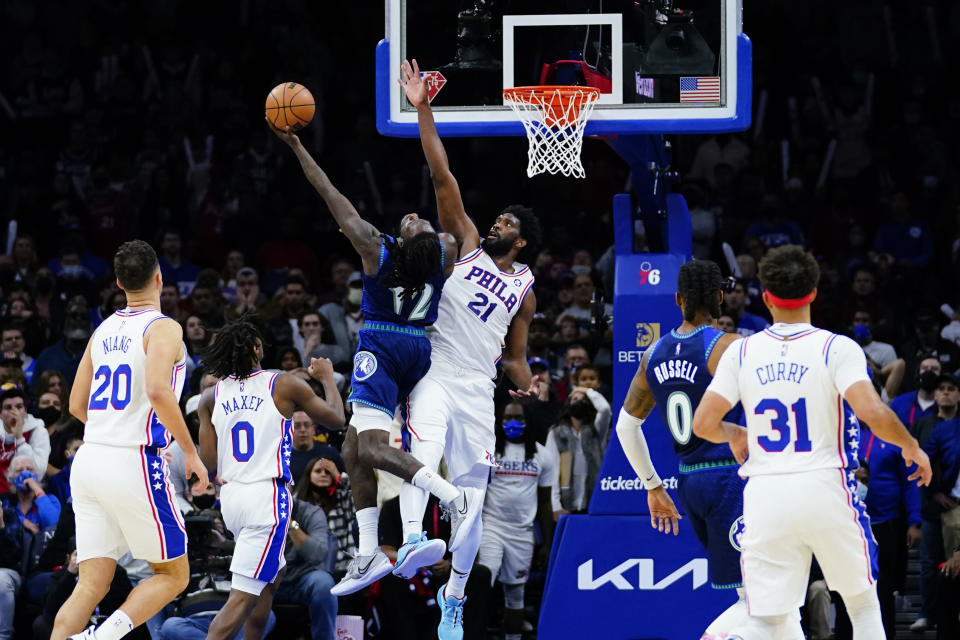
<point x="290" y="105"/>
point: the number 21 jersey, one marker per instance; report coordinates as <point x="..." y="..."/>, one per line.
<point x="253" y="437"/>
<point x="476" y="309"/>
<point x="791" y="379"/>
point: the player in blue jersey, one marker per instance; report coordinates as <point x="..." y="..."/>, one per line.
<point x="402" y="281"/>
<point x="673" y="375"/>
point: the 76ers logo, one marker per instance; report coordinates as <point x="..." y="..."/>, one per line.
<point x="647" y="274"/>
<point x="364" y="365"/>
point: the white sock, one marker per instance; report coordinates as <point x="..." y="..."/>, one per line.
<point x="457" y="583"/>
<point x="367" y="522"/>
<point x="413" y="503"/>
<point x="115" y="627"/>
<point x="435" y="484"/>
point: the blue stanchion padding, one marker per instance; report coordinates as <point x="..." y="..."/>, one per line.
<point x="616" y="578"/>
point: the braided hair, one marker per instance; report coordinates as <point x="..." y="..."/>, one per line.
<point x="414" y="262"/>
<point x="699" y="284"/>
<point x="232" y="351"/>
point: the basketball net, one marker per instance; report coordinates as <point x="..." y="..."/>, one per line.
<point x="554" y="119"/>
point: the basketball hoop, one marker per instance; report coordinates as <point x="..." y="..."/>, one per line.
<point x="554" y="118"/>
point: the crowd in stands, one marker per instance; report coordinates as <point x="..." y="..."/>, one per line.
<point x="122" y="120"/>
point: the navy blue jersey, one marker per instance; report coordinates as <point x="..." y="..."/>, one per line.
<point x="678" y="377"/>
<point x="381" y="304"/>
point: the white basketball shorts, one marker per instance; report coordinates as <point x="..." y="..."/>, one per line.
<point x="788" y="518"/>
<point x="257" y="515"/>
<point x="123" y="499"/>
<point x="506" y="549"/>
<point x="455" y="409"/>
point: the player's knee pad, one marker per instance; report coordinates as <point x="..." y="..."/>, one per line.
<point x="365" y="418"/>
<point x="513" y="596"/>
<point x="427" y="452"/>
<point x="864" y="611"/>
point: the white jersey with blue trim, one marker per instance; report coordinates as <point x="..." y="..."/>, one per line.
<point x="476" y="308"/>
<point x="253" y="437"/>
<point x="119" y="413"/>
<point x="791" y="379"/>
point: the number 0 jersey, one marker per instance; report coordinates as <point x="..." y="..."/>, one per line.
<point x="118" y="411"/>
<point x="253" y="437"/>
<point x="678" y="376"/>
<point x="476" y="309"/>
<point x="791" y="379"/>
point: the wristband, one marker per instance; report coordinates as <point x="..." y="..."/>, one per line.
<point x="635" y="447"/>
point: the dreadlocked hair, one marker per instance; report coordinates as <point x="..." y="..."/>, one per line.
<point x="232" y="350"/>
<point x="699" y="285"/>
<point x="789" y="272"/>
<point x="414" y="262"/>
<point x="530" y="230"/>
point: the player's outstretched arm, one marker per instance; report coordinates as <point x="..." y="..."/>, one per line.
<point x="208" y="434"/>
<point x="291" y="391"/>
<point x="453" y="217"/>
<point x="164" y="344"/>
<point x="514" y="361"/>
<point x="364" y="237"/>
<point x="80" y="392"/>
<point x="863" y="399"/>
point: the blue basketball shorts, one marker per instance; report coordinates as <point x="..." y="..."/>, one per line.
<point x="386" y="367"/>
<point x="713" y="502"/>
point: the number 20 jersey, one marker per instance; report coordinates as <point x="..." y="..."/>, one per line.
<point x="253" y="438"/>
<point x="476" y="309"/>
<point x="119" y="413"/>
<point x="791" y="379"/>
<point x="678" y="376"/>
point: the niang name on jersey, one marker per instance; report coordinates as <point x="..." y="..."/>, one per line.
<point x="116" y="343"/>
<point x="251" y="403"/>
<point x="493" y="284"/>
<point x="775" y="372"/>
<point x="676" y="369"/>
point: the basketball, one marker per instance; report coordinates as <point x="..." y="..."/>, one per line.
<point x="290" y="105"/>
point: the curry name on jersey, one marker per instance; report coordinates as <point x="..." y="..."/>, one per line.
<point x="381" y="304"/>
<point x="253" y="438"/>
<point x="119" y="413"/>
<point x="477" y="306"/>
<point x="678" y="376"/>
<point x="791" y="379"/>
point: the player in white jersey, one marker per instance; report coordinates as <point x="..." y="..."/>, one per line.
<point x="245" y="433"/>
<point x="484" y="313"/>
<point x="802" y="390"/>
<point x="519" y="491"/>
<point x="126" y="391"/>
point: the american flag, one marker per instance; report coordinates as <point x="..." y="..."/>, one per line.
<point x="700" y="89"/>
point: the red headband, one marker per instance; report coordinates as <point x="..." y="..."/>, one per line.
<point x="790" y="303"/>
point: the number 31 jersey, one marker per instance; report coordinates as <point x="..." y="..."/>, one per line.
<point x="678" y="376"/>
<point x="253" y="437"/>
<point x="476" y="309"/>
<point x="118" y="411"/>
<point x="791" y="379"/>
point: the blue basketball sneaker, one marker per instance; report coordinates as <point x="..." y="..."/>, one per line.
<point x="451" y="621"/>
<point x="416" y="552"/>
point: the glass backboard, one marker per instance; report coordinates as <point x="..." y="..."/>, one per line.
<point x="662" y="66"/>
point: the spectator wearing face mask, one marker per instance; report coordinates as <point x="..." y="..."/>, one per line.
<point x="346" y="317"/>
<point x="910" y="407"/>
<point x="939" y="435"/>
<point x="22" y="435"/>
<point x="927" y="342"/>
<point x="887" y="368"/>
<point x="65" y="354"/>
<point x="580" y="439"/>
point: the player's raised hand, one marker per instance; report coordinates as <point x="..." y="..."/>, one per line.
<point x="664" y="516"/>
<point x="321" y="369"/>
<point x="286" y="134"/>
<point x="916" y="455"/>
<point x="529" y="392"/>
<point x="413" y="85"/>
